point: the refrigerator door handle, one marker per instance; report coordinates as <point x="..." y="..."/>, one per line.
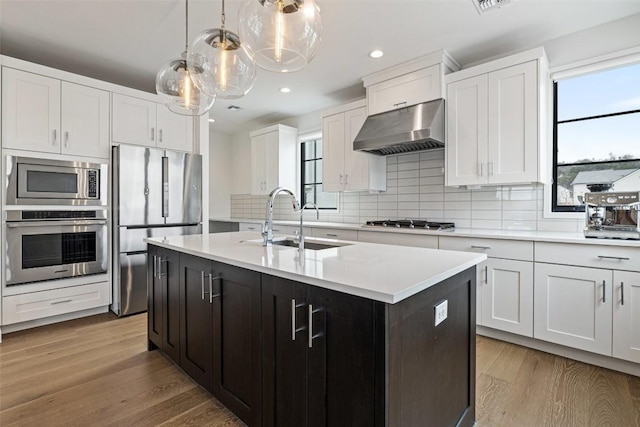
<point x="165" y="186"/>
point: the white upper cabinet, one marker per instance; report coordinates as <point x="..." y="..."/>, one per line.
<point x="85" y="121"/>
<point x="403" y="91"/>
<point x="493" y="121"/>
<point x="343" y="168"/>
<point x="141" y="122"/>
<point x="48" y="115"/>
<point x="273" y="159"/>
<point x="410" y="83"/>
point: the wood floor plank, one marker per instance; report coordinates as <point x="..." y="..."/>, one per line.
<point x="97" y="372"/>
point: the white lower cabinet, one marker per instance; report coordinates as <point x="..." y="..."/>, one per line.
<point x="505" y="294"/>
<point x="400" y="239"/>
<point x="334" y="233"/>
<point x="38" y="305"/>
<point x="573" y="306"/>
<point x="626" y="315"/>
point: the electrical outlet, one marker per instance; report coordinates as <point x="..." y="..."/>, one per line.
<point x="441" y="312"/>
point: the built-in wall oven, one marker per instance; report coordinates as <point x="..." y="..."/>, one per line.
<point x="46" y="245"/>
<point x="32" y="181"/>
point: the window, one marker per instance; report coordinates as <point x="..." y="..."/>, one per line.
<point x="311" y="173"/>
<point x="596" y="135"/>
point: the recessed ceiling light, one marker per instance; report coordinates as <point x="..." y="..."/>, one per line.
<point x="285" y="90"/>
<point x="376" y="54"/>
<point x="234" y="108"/>
<point x="212" y="120"/>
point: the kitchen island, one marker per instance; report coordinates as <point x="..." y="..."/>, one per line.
<point x="357" y="334"/>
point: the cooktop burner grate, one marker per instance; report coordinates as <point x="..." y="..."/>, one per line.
<point x="412" y="223"/>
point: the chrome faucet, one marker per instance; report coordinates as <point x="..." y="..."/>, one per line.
<point x="267" y="226"/>
<point x="300" y="235"/>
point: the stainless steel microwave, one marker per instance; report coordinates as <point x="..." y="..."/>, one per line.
<point x="32" y="181"/>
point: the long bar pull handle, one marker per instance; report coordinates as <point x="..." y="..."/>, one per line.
<point x="491" y="167"/>
<point x="480" y="247"/>
<point x="160" y="135"/>
<point x="622" y="293"/>
<point x="165" y="187"/>
<point x="202" y="284"/>
<point x="310" y="326"/>
<point x="486" y="274"/>
<point x="153" y="134"/>
<point x="211" y="295"/>
<point x="64" y="301"/>
<point x="604" y="291"/>
<point x="294" y="329"/>
<point x="481" y="168"/>
<point x="341" y="179"/>
<point x="332" y="235"/>
<point x="66" y="139"/>
<point x="55" y="137"/>
<point x="619" y="258"/>
<point x="346" y="179"/>
<point x="155" y="266"/>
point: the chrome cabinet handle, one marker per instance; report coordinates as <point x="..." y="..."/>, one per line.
<point x="619" y="258"/>
<point x="66" y="139"/>
<point x="346" y="179"/>
<point x="211" y="295"/>
<point x="480" y="247"/>
<point x="46" y="224"/>
<point x="310" y="334"/>
<point x="160" y="135"/>
<point x="202" y="284"/>
<point x="486" y="274"/>
<point x="331" y="235"/>
<point x="55" y="137"/>
<point x="622" y="293"/>
<point x="604" y="291"/>
<point x="153" y="134"/>
<point x="400" y="103"/>
<point x="492" y="165"/>
<point x="61" y="302"/>
<point x="341" y="179"/>
<point x="481" y="168"/>
<point x="294" y="329"/>
<point x="153" y="269"/>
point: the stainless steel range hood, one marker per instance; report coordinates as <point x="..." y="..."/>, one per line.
<point x="416" y="128"/>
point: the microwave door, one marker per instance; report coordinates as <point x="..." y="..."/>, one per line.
<point x="183" y="198"/>
<point x="138" y="185"/>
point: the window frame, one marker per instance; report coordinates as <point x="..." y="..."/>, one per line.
<point x="303" y="162"/>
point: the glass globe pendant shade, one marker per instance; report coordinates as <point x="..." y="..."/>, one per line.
<point x="179" y="93"/>
<point x="219" y="66"/>
<point x="280" y="35"/>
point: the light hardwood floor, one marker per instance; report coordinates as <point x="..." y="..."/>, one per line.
<point x="97" y="372"/>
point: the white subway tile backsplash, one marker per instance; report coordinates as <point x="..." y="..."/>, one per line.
<point x="457" y="214"/>
<point x="457" y="206"/>
<point x="486" y="224"/>
<point x="409" y="214"/>
<point x="428" y="197"/>
<point x="432" y="155"/>
<point x="410" y="189"/>
<point x="406" y="158"/>
<point x="435" y="164"/>
<point x="519" y="215"/>
<point x="494" y="215"/>
<point x="408" y="166"/>
<point x="408" y="197"/>
<point x="457" y="197"/>
<point x="519" y="205"/>
<point x="432" y="206"/>
<point x="408" y="174"/>
<point x="519" y="225"/>
<point x="431" y="172"/>
<point x="408" y="205"/>
<point x="432" y="180"/>
<point x="382" y="197"/>
<point x="431" y="189"/>
<point x="493" y="205"/>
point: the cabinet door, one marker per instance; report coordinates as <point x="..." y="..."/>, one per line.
<point x="409" y="89"/>
<point x="196" y="320"/>
<point x="85" y="121"/>
<point x="272" y="161"/>
<point x="573" y="307"/>
<point x="356" y="163"/>
<point x="155" y="298"/>
<point x="333" y="148"/>
<point x="341" y="359"/>
<point x="170" y="274"/>
<point x="507" y="296"/>
<point x="133" y="120"/>
<point x="174" y="131"/>
<point x="236" y="337"/>
<point x="626" y="316"/>
<point x="258" y="164"/>
<point x="482" y="278"/>
<point x="31" y="111"/>
<point x="467" y="132"/>
<point x="284" y="340"/>
<point x="513" y="124"/>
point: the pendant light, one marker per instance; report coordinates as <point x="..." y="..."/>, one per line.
<point x="218" y="64"/>
<point x="280" y="35"/>
<point x="177" y="89"/>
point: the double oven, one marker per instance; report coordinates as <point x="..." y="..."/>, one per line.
<point x="56" y="223"/>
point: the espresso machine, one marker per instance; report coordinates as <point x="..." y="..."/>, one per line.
<point x="612" y="215"/>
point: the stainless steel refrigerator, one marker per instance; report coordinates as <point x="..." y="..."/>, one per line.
<point x="155" y="193"/>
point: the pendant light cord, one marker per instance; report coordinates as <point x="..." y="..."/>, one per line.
<point x="186" y="26"/>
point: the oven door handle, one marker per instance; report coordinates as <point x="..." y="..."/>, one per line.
<point x="53" y="223"/>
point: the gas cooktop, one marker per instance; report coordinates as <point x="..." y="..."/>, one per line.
<point x="412" y="223"/>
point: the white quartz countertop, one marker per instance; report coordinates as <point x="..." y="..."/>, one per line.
<point x="536" y="236"/>
<point x="383" y="273"/>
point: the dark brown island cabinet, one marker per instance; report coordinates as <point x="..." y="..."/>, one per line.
<point x="282" y="353"/>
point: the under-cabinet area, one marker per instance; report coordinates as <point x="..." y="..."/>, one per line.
<point x="324" y="357"/>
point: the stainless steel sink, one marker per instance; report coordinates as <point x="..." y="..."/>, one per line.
<point x="309" y="244"/>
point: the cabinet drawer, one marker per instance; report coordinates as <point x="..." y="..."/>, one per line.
<point x="249" y="226"/>
<point x="417" y="240"/>
<point x="332" y="233"/>
<point x="596" y="256"/>
<point x="403" y="91"/>
<point x="37" y="305"/>
<point x="288" y="230"/>
<point x="494" y="248"/>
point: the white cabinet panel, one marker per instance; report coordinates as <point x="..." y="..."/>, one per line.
<point x="85" y="121"/>
<point x="31" y="111"/>
<point x="334" y="233"/>
<point x="343" y="168"/>
<point x="273" y="159"/>
<point x="249" y="226"/>
<point x="626" y="316"/>
<point x="174" y="130"/>
<point x="390" y="238"/>
<point x="597" y="256"/>
<point x="513" y="124"/>
<point x="494" y="248"/>
<point x="507" y="296"/>
<point x="573" y="307"/>
<point x="134" y="120"/>
<point x="405" y="90"/>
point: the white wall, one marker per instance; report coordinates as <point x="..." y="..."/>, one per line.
<point x="220" y="176"/>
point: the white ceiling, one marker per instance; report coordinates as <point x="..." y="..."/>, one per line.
<point x="127" y="41"/>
